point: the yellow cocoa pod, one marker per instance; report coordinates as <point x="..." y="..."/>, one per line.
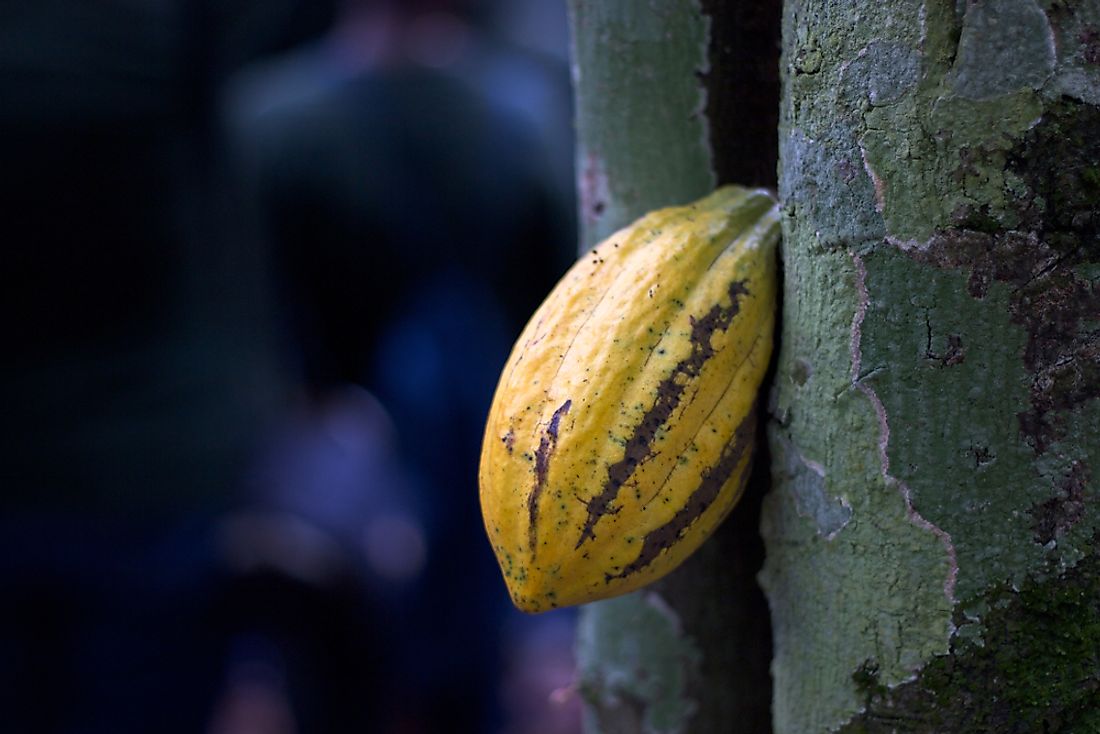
<point x="622" y="429"/>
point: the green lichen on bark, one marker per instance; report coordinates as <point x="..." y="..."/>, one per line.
<point x="940" y="361"/>
<point x="873" y="587"/>
<point x="941" y="147"/>
<point x="642" y="135"/>
<point x="632" y="687"/>
<point x="1021" y="318"/>
<point x="947" y="368"/>
<point x="1032" y="668"/>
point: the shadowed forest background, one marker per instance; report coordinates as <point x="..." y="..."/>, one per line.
<point x="263" y="262"/>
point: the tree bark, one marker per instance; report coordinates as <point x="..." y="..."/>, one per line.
<point x="931" y="534"/>
<point x="674" y="98"/>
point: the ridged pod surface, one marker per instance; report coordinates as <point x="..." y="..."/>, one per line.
<point x="621" y="432"/>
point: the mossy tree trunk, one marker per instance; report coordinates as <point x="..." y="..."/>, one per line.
<point x="932" y="527"/>
<point x="931" y="533"/>
<point x="674" y="98"/>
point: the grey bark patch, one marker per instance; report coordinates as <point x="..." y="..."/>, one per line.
<point x="1005" y="45"/>
<point x="839" y="214"/>
<point x="1077" y="38"/>
<point x="881" y="73"/>
<point x="806" y="480"/>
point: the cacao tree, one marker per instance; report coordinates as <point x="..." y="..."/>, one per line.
<point x="929" y="478"/>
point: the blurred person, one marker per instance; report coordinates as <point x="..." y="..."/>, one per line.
<point x="402" y="145"/>
<point x="418" y="210"/>
<point x="138" y="358"/>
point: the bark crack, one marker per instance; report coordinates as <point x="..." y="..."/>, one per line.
<point x="855" y="348"/>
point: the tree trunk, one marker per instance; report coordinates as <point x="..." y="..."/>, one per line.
<point x="672" y="100"/>
<point x="931" y="534"/>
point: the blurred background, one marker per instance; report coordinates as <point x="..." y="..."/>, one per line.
<point x="262" y="262"/>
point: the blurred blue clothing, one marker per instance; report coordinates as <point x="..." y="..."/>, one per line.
<point x="372" y="181"/>
<point x="416" y="223"/>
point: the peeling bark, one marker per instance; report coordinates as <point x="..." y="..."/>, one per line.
<point x="939" y="369"/>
